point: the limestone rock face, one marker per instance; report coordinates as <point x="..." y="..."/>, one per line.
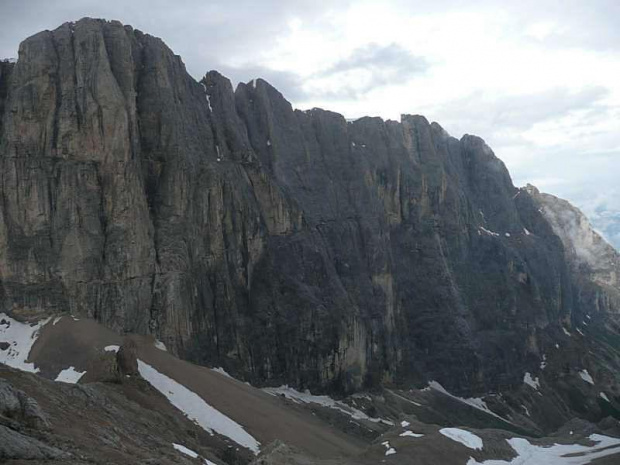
<point x="287" y="246"/>
<point x="594" y="263"/>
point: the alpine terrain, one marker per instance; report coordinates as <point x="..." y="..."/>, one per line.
<point x="191" y="273"/>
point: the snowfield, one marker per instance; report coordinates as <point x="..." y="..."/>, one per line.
<point x="464" y="437"/>
<point x="20" y="337"/>
<point x="196" y="409"/>
<point x="529" y="454"/>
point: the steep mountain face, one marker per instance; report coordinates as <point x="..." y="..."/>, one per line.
<point x="593" y="262"/>
<point x="288" y="246"/>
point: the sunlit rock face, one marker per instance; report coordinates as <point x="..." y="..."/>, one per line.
<point x="287" y="246"/>
<point x="592" y="259"/>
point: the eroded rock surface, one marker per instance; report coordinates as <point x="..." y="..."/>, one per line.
<point x="287" y="246"/>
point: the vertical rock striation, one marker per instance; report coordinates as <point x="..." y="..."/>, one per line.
<point x="289" y="246"/>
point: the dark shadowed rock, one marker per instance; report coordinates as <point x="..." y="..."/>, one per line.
<point x="16" y="405"/>
<point x="287" y="246"/>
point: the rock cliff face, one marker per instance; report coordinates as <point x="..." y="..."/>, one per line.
<point x="594" y="263"/>
<point x="288" y="246"/>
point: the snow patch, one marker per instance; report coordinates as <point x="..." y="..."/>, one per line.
<point x="507" y="234"/>
<point x="527" y="233"/>
<point x="579" y="331"/>
<point x="411" y="434"/>
<point x="69" y="375"/>
<point x="486" y="231"/>
<point x="308" y="398"/>
<point x="603" y="396"/>
<point x="268" y="143"/>
<point x="185" y="450"/>
<point x="221" y="371"/>
<point x="390" y="450"/>
<point x="531" y="382"/>
<point x="543" y="364"/>
<point x="112" y="348"/>
<point x="404" y="424"/>
<point x="20" y="337"/>
<point x="464" y="437"/>
<point x="557" y="454"/>
<point x="586" y="376"/>
<point x="196" y="409"/>
<point x="160" y="345"/>
<point x="566" y="332"/>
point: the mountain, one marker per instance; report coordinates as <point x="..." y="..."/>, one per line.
<point x="292" y="247"/>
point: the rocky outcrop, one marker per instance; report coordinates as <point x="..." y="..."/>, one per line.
<point x="16" y="405"/>
<point x="287" y="246"/>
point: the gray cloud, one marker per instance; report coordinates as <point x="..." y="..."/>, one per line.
<point x="517" y="113"/>
<point x="385" y="62"/>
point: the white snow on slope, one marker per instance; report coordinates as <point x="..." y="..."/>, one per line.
<point x="325" y="401"/>
<point x="410" y="434"/>
<point x="486" y="231"/>
<point x="475" y="402"/>
<point x="112" y="348"/>
<point x="196" y="409"/>
<point x="185" y="450"/>
<point x="390" y="450"/>
<point x="566" y="331"/>
<point x="543" y="364"/>
<point x="586" y="377"/>
<point x="464" y="437"/>
<point x="160" y="345"/>
<point x="529" y="454"/>
<point x="531" y="382"/>
<point x="603" y="396"/>
<point x="70" y="375"/>
<point x="221" y="371"/>
<point x="20" y="337"/>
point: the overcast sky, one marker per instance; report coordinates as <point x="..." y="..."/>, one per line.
<point x="538" y="80"/>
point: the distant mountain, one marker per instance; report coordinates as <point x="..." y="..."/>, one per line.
<point x="293" y="247"/>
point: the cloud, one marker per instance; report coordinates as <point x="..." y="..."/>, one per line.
<point x="366" y="68"/>
<point x="386" y="61"/>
